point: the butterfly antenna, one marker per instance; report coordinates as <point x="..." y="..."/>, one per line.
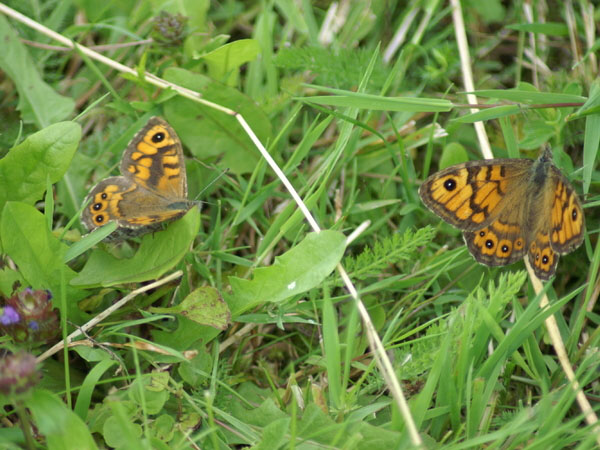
<point x="211" y="183"/>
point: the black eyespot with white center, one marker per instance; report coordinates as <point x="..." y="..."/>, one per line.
<point x="504" y="248"/>
<point x="450" y="184"/>
<point x="545" y="259"/>
<point x="489" y="243"/>
<point x="104" y="196"/>
<point x="574" y="214"/>
<point x="158" y="137"/>
<point x="99" y="218"/>
<point x="97" y="206"/>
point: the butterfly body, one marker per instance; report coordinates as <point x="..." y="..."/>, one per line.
<point x="509" y="208"/>
<point x="151" y="189"/>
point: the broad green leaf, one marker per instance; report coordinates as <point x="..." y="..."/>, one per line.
<point x="158" y="253"/>
<point x="203" y="305"/>
<point x="37" y="253"/>
<point x="274" y="435"/>
<point x="537" y="132"/>
<point x="8" y="277"/>
<point x="209" y="133"/>
<point x="38" y="102"/>
<point x="120" y="431"/>
<point x="62" y="428"/>
<point x="25" y="169"/>
<point x="153" y="388"/>
<point x="296" y="271"/>
<point x="224" y="62"/>
<point x="453" y="153"/>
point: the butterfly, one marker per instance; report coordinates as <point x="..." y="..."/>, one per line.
<point x="151" y="189"/>
<point x="507" y="208"/>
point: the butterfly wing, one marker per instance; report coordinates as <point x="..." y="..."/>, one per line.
<point x="566" y="217"/>
<point x="542" y="258"/>
<point x="471" y="196"/>
<point x="154" y="160"/>
<point x="560" y="230"/>
<point x="500" y="243"/>
<point x="132" y="206"/>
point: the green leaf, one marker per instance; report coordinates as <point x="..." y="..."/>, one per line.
<point x="38" y="102"/>
<point x="489" y="114"/>
<point x="62" y="428"/>
<point x="153" y="388"/>
<point x="549" y="28"/>
<point x="25" y="169"/>
<point x="120" y="431"/>
<point x="537" y="132"/>
<point x="203" y="305"/>
<point x="158" y="253"/>
<point x="209" y="133"/>
<point x="223" y="62"/>
<point x="377" y="102"/>
<point x="592" y="105"/>
<point x="7" y="279"/>
<point x="453" y="153"/>
<point x="296" y="271"/>
<point x="590" y="149"/>
<point x="371" y="205"/>
<point x="529" y="97"/>
<point x="37" y="253"/>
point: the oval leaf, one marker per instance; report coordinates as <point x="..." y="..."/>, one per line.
<point x="296" y="271"/>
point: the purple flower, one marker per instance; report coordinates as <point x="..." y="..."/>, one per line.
<point x="9" y="316"/>
<point x="28" y="316"/>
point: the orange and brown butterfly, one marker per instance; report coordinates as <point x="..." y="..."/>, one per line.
<point x="151" y="189"/>
<point x="508" y="208"/>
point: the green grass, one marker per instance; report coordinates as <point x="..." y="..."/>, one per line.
<point x="254" y="340"/>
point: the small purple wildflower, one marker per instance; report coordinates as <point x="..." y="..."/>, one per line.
<point x="9" y="316"/>
<point x="28" y="316"/>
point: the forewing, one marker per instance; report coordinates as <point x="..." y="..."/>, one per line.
<point x="131" y="206"/>
<point x="154" y="159"/>
<point x="471" y="196"/>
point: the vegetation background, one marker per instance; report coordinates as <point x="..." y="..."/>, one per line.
<point x="257" y="343"/>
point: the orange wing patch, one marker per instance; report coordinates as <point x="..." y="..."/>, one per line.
<point x="567" y="220"/>
<point x="496" y="245"/>
<point x="541" y="256"/>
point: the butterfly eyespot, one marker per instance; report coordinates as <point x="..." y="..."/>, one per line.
<point x="158" y="137"/>
<point x="545" y="259"/>
<point x="99" y="218"/>
<point x="505" y="248"/>
<point x="489" y="243"/>
<point x="104" y="196"/>
<point x="450" y="184"/>
<point x="574" y="214"/>
<point x="482" y="233"/>
<point x="97" y="206"/>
